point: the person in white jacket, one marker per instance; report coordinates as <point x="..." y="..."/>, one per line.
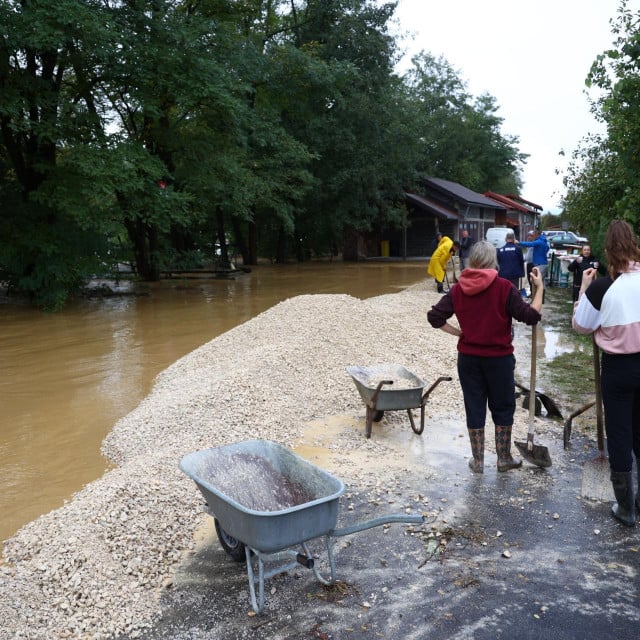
<point x="609" y="308"/>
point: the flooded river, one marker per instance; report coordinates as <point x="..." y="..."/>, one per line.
<point x="66" y="378"/>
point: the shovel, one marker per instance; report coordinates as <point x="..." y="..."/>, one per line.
<point x="596" y="482"/>
<point x="548" y="403"/>
<point x="534" y="453"/>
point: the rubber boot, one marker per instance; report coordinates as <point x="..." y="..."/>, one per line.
<point x="476" y="437"/>
<point x="440" y="287"/>
<point x="503" y="449"/>
<point x="624" y="509"/>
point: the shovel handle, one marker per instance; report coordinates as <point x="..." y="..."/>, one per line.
<point x="530" y="441"/>
<point x="532" y="381"/>
<point x="598" y="390"/>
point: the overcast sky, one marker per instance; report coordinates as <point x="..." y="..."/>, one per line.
<point x="533" y="57"/>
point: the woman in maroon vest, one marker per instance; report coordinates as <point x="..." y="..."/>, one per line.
<point x="485" y="306"/>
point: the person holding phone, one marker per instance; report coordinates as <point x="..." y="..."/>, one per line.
<point x="609" y="308"/>
<point x="583" y="262"/>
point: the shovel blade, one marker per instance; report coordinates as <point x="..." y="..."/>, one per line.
<point x="596" y="480"/>
<point x="547" y="402"/>
<point x="534" y="453"/>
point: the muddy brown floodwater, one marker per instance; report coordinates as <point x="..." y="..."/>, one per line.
<point x="66" y="378"/>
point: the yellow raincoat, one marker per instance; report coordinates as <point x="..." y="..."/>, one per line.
<point x="442" y="254"/>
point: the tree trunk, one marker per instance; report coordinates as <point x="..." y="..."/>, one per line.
<point x="241" y="243"/>
<point x="181" y="239"/>
<point x="253" y="243"/>
<point x="299" y="246"/>
<point x="280" y="257"/>
<point x="247" y="246"/>
<point x="145" y="244"/>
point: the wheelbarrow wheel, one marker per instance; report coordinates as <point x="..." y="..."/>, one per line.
<point x="378" y="415"/>
<point x="233" y="547"/>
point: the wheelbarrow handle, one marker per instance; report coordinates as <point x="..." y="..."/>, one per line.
<point x="568" y="422"/>
<point x="376" y="522"/>
<point x="425" y="395"/>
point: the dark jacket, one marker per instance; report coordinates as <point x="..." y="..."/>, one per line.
<point x="578" y="268"/>
<point x="510" y="261"/>
<point x="465" y="247"/>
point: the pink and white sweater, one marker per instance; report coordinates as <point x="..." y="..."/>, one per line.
<point x="610" y="309"/>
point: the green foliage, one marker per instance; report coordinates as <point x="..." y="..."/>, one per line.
<point x="603" y="180"/>
<point x="278" y="123"/>
<point x="461" y="136"/>
<point x="357" y="124"/>
<point x="57" y="253"/>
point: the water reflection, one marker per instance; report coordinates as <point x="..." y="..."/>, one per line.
<point x="556" y="343"/>
<point x="66" y="378"/>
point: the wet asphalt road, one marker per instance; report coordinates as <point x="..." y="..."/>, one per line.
<point x="511" y="555"/>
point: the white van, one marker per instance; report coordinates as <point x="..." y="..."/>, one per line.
<point x="497" y="236"/>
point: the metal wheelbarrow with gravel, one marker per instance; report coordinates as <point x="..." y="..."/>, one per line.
<point x="374" y="385"/>
<point x="267" y="503"/>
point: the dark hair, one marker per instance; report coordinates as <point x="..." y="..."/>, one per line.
<point x="621" y="247"/>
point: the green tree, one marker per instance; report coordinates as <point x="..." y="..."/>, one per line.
<point x="354" y="121"/>
<point x="461" y="136"/>
<point x="169" y="67"/>
<point x="603" y="178"/>
<point x="48" y="51"/>
<point x="594" y="187"/>
<point x="257" y="173"/>
<point x="152" y="130"/>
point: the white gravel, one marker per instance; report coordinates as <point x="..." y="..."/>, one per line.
<point x="96" y="567"/>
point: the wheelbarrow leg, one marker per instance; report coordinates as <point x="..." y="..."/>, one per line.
<point x="372" y="411"/>
<point x="419" y="429"/>
<point x="257" y="604"/>
<point x="369" y="421"/>
<point x="287" y="560"/>
<point x="411" y="420"/>
<point x="332" y="564"/>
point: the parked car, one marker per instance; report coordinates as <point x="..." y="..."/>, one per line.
<point x="564" y="239"/>
<point x="497" y="236"/>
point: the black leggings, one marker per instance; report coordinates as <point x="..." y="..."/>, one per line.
<point x="621" y="399"/>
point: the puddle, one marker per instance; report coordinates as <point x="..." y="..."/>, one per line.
<point x="320" y="437"/>
<point x="556" y="343"/>
<point x="442" y="444"/>
<point x="555" y="337"/>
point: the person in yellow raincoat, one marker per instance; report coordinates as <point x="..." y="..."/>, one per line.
<point x="438" y="263"/>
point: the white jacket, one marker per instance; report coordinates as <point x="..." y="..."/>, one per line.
<point x="611" y="311"/>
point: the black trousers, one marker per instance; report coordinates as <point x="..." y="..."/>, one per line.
<point x="621" y="399"/>
<point x="487" y="380"/>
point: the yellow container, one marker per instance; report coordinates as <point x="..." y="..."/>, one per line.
<point x="384" y="248"/>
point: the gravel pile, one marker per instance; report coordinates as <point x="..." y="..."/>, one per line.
<point x="96" y="567"/>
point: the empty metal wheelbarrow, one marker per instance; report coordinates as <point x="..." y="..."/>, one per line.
<point x="374" y="385"/>
<point x="267" y="503"/>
